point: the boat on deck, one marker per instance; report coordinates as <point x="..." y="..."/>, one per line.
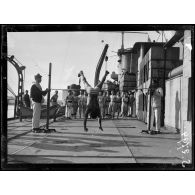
<point x="54" y="112"/>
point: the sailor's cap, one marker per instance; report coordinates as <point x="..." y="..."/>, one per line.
<point x="38" y="76"/>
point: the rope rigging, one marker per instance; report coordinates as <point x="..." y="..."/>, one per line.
<point x="11" y="90"/>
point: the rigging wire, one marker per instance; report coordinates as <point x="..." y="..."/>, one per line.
<point x="10" y="80"/>
<point x="18" y="61"/>
<point x="42" y="71"/>
<point x="10" y="90"/>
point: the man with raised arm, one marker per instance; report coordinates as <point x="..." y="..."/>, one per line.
<point x="93" y="108"/>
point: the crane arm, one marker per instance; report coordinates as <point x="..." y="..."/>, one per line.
<point x="99" y="65"/>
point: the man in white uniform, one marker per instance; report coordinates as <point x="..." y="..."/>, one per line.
<point x="131" y="101"/>
<point x="156" y="109"/>
<point x="69" y="104"/>
<point x="112" y="105"/>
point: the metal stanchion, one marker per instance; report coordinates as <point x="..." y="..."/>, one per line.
<point x="48" y="130"/>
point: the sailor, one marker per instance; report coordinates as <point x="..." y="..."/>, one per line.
<point x="37" y="94"/>
<point x="69" y="105"/>
<point x="118" y="104"/>
<point x="157" y="93"/>
<point x="54" y="98"/>
<point x="26" y="99"/>
<point x="93" y="108"/>
<point x="112" y="105"/>
<point x="130" y="103"/>
<point x="107" y="103"/>
<point x="124" y="105"/>
<point x="101" y="101"/>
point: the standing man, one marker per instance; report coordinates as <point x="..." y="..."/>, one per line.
<point x="82" y="102"/>
<point x="131" y="101"/>
<point x="69" y="104"/>
<point x="54" y="98"/>
<point x="124" y="105"/>
<point x="101" y="103"/>
<point x="26" y="99"/>
<point x="37" y="94"/>
<point x="112" y="105"/>
<point x="118" y="104"/>
<point x="107" y="103"/>
<point x="156" y="109"/>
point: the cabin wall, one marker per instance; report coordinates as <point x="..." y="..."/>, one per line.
<point x="173" y="98"/>
<point x="152" y="67"/>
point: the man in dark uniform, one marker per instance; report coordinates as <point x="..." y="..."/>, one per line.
<point x="26" y="99"/>
<point x="93" y="108"/>
<point x="37" y="94"/>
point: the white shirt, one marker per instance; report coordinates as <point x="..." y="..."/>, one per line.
<point x="112" y="98"/>
<point x="156" y="98"/>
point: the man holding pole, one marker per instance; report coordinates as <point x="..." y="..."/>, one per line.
<point x="37" y="94"/>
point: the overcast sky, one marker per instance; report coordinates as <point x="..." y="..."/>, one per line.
<point x="69" y="52"/>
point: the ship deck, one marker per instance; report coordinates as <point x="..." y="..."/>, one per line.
<point x="120" y="142"/>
